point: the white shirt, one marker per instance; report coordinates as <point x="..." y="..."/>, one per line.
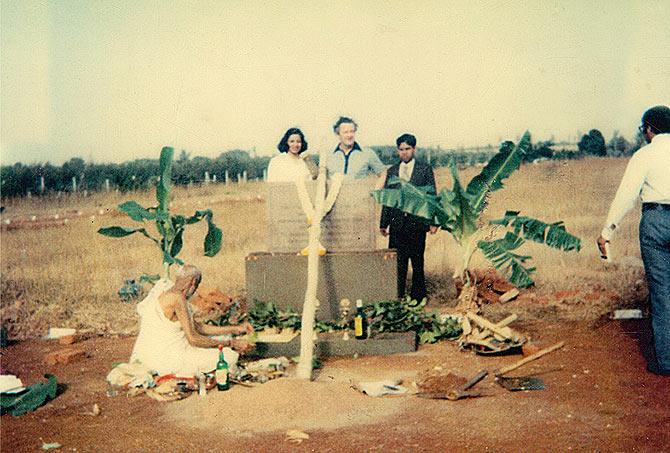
<point x="408" y="168"/>
<point x="647" y="176"/>
<point x="286" y="168"/>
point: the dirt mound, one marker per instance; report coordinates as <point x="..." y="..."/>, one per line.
<point x="281" y="405"/>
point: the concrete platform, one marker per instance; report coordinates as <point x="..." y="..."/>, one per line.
<point x="332" y="345"/>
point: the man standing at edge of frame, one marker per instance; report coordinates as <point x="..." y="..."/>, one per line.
<point x="647" y="177"/>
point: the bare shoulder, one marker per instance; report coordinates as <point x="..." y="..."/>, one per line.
<point x="169" y="302"/>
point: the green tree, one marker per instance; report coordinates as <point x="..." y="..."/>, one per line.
<point x="593" y="143"/>
<point x="618" y="145"/>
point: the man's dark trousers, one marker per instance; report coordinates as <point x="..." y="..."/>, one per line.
<point x="410" y="245"/>
<point x="655" y="248"/>
<point x="408" y="232"/>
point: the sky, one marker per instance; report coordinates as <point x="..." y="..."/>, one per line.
<point x="111" y="81"/>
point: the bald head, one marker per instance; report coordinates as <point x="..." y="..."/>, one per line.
<point x="188" y="277"/>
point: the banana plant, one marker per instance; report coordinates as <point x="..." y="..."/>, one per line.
<point x="170" y="228"/>
<point x="459" y="211"/>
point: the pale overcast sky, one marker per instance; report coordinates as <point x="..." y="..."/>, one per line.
<point x="117" y="80"/>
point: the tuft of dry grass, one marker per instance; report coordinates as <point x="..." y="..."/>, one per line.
<point x="69" y="276"/>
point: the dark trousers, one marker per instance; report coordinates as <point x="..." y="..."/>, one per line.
<point x="655" y="248"/>
<point x="410" y="246"/>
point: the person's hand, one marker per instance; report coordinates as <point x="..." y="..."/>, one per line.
<point x="602" y="246"/>
<point x="384" y="231"/>
<point x="433" y="229"/>
<point x="241" y="346"/>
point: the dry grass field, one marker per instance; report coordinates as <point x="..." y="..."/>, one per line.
<point x="64" y="274"/>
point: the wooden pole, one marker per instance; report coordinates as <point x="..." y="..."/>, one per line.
<point x="304" y="369"/>
<point x="530" y="358"/>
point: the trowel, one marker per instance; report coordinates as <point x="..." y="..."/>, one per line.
<point x="523" y="382"/>
<point x="516" y="384"/>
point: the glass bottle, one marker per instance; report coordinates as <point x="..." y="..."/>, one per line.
<point x="360" y="322"/>
<point x="222" y="375"/>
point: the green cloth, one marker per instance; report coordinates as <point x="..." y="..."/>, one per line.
<point x="33" y="397"/>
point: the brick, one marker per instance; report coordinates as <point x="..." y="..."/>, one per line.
<point x="64" y="356"/>
<point x="68" y="339"/>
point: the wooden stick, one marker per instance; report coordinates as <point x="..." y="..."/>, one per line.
<point x="485" y="333"/>
<point x="503" y="331"/>
<point x="530" y="358"/>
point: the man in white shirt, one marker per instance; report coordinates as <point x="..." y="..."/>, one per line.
<point x="648" y="176"/>
<point x="348" y="157"/>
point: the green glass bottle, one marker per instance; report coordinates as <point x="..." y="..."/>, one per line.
<point x="360" y="322"/>
<point x="222" y="375"/>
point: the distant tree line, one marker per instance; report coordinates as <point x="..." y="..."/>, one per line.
<point x="239" y="165"/>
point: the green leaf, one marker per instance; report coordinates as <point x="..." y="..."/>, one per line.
<point x="419" y="201"/>
<point x="164" y="178"/>
<point x="465" y="217"/>
<point x="118" y="231"/>
<point x="551" y="234"/>
<point x="500" y="167"/>
<point x="170" y="260"/>
<point x="214" y="237"/>
<point x="34" y="396"/>
<point x="511" y="265"/>
<point x="144" y="278"/>
<point x="136" y="212"/>
<point x="177" y="243"/>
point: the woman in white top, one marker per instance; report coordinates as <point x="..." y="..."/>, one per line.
<point x="289" y="166"/>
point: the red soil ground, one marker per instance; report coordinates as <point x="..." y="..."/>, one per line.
<point x="599" y="397"/>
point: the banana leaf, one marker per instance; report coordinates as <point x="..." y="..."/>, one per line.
<point x="465" y="216"/>
<point x="500" y="167"/>
<point x="214" y="235"/>
<point x="119" y="232"/>
<point x="499" y="253"/>
<point x="551" y="234"/>
<point x="164" y="178"/>
<point x="419" y="201"/>
<point x="136" y="211"/>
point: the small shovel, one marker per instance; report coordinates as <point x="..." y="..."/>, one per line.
<point x="459" y="392"/>
<point x="524" y="382"/>
<point x="515" y="384"/>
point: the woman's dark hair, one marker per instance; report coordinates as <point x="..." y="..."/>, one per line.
<point x="658" y="118"/>
<point x="283" y="143"/>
